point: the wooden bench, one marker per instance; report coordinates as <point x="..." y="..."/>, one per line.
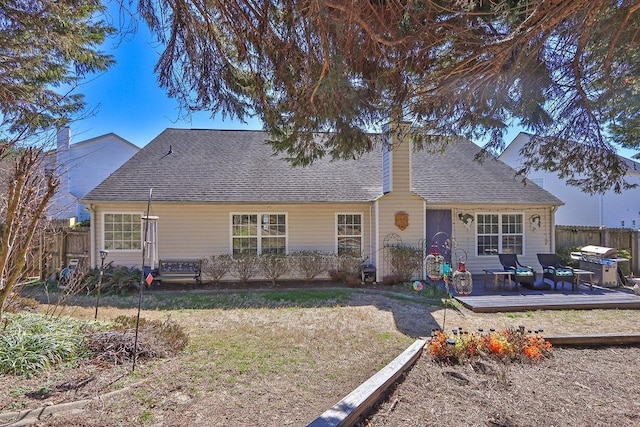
<point x="179" y="269"/>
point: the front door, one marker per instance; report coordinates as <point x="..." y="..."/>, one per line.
<point x="439" y="221"/>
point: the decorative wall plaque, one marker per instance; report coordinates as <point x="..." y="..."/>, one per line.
<point x="402" y="220"/>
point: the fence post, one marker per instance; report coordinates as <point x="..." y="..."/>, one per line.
<point x="635" y="252"/>
<point x="604" y="236"/>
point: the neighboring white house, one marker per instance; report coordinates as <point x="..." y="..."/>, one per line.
<point x="81" y="166"/>
<point x="224" y="192"/>
<point x="610" y="209"/>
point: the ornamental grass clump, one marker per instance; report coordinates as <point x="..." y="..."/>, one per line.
<point x="31" y="342"/>
<point x="507" y="345"/>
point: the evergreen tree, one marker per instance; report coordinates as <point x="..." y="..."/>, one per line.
<point x="46" y="48"/>
<point x="566" y="70"/>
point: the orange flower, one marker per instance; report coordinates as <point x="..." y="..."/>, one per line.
<point x="507" y="344"/>
<point x="496" y="345"/>
<point x="532" y="352"/>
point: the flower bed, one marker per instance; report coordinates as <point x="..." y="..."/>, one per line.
<point x="507" y="345"/>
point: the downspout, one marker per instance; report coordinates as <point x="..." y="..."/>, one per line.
<point x="377" y="234"/>
<point x="424" y="234"/>
<point x="370" y="235"/>
<point x="92" y="236"/>
<point x="553" y="228"/>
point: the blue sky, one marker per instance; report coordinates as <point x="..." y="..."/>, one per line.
<point x="127" y="100"/>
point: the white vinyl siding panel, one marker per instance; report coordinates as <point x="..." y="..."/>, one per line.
<point x="92" y="161"/>
<point x="401" y="166"/>
<point x="198" y="231"/>
<point x="582" y="209"/>
<point x="535" y="241"/>
<point x="388" y="206"/>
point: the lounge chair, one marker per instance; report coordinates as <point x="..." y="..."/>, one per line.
<point x="522" y="274"/>
<point x="554" y="271"/>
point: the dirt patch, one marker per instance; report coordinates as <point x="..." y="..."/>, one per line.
<point x="587" y="387"/>
<point x="276" y="367"/>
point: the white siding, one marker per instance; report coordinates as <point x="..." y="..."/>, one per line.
<point x="400" y="160"/>
<point x="535" y="241"/>
<point x="582" y="209"/>
<point x="87" y="164"/>
<point x="388" y="207"/>
<point x="624" y="206"/>
<point x="93" y="161"/>
<point x="198" y="231"/>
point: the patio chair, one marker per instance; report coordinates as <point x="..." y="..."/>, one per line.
<point x="554" y="271"/>
<point x="522" y="274"/>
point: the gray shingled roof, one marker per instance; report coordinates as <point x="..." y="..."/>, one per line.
<point x="455" y="177"/>
<point x="228" y="166"/>
<point x="235" y="166"/>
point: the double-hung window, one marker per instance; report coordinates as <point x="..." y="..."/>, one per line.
<point x="256" y="234"/>
<point x="349" y="234"/>
<point x="500" y="233"/>
<point x="122" y="231"/>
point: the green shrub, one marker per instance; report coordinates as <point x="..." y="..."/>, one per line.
<point x="32" y="342"/>
<point x="115" y="279"/>
<point x="564" y="256"/>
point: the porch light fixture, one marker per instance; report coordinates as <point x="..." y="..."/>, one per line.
<point x="461" y="278"/>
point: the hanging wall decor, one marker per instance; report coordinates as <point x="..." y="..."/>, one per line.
<point x="467" y="220"/>
<point x="402" y="220"/>
<point x="534" y="222"/>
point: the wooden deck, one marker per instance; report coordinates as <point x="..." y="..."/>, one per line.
<point x="486" y="299"/>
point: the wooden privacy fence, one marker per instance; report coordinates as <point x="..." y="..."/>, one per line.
<point x="54" y="247"/>
<point x="619" y="238"/>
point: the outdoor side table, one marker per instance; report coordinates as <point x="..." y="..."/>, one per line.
<point x="576" y="279"/>
<point x="496" y="273"/>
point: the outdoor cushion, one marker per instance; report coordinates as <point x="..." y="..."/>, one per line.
<point x="559" y="271"/>
<point x="553" y="270"/>
<point x="522" y="274"/>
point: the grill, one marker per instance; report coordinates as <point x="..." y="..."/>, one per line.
<point x="603" y="262"/>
